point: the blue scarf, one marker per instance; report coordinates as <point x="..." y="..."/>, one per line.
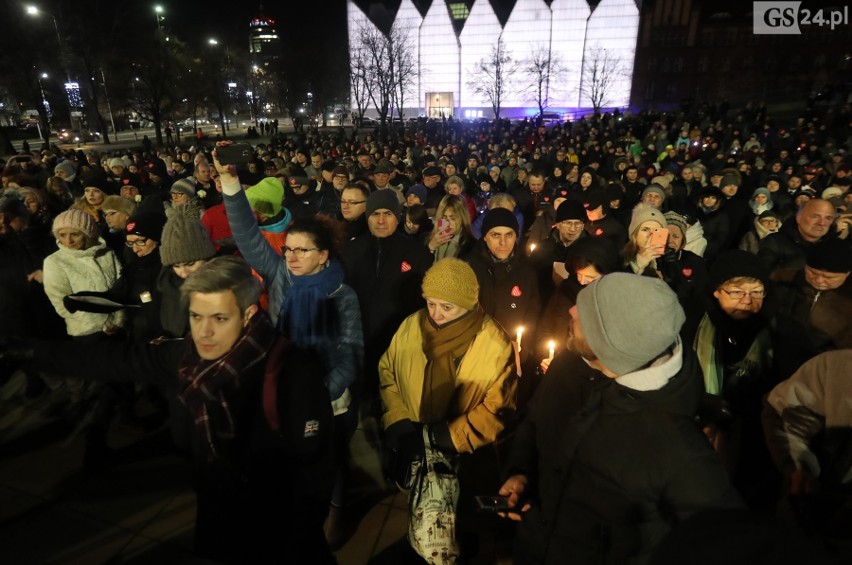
<point x="307" y="314"/>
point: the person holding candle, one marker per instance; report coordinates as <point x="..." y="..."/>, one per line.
<point x="508" y="288"/>
<point x="628" y="384"/>
<point x="450" y="369"/>
<point x="587" y="261"/>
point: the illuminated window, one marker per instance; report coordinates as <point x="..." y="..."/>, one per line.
<point x="459" y="11"/>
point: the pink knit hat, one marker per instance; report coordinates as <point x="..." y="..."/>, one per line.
<point x="78" y="220"/>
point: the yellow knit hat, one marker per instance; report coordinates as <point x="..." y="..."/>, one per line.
<point x="452" y="280"/>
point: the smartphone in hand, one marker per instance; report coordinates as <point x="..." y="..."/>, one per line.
<point x="493" y="503"/>
<point x="444" y="227"/>
<point x="659" y="237"/>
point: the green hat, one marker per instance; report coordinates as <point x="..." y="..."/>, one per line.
<point x="266" y="196"/>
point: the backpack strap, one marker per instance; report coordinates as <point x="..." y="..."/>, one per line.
<point x="270" y="382"/>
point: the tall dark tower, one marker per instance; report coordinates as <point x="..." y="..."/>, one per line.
<point x="264" y="41"/>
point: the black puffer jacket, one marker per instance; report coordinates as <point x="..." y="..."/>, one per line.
<point x="611" y="469"/>
<point x="508" y="292"/>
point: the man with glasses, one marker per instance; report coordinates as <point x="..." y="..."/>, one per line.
<point x="550" y="255"/>
<point x="353" y="205"/>
<point x="741" y="350"/>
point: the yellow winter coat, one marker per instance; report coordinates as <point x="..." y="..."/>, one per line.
<point x="485" y="384"/>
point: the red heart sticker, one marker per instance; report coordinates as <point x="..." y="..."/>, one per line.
<point x="687" y="272"/>
<point x="405" y="267"/>
<point x="599" y="231"/>
<point x="126" y="181"/>
<point x="131" y="226"/>
<point x="547" y="199"/>
<point x="293" y="181"/>
<point x="564" y="193"/>
<point x="516" y="291"/>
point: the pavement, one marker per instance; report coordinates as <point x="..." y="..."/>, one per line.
<point x="140" y="508"/>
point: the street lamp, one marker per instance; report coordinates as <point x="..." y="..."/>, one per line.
<point x="158" y="10"/>
<point x="212" y="41"/>
<point x="34" y="11"/>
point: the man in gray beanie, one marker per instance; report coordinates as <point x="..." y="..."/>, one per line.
<point x="610" y="438"/>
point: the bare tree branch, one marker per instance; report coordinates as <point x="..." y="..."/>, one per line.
<point x="544" y="70"/>
<point x="490" y="76"/>
<point x="601" y="72"/>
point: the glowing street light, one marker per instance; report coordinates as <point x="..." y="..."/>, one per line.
<point x="212" y="41"/>
<point x="158" y="10"/>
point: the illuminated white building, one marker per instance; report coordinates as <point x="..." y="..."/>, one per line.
<point x="451" y="37"/>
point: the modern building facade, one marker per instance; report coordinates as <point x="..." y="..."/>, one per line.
<point x="449" y="38"/>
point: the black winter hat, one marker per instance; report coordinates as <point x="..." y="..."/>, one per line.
<point x="736" y="263"/>
<point x="499" y="217"/>
<point x="147" y="224"/>
<point x="833" y="255"/>
<point x="570" y="210"/>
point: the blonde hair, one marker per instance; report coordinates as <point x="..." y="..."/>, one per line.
<point x="502" y="200"/>
<point x="457" y="205"/>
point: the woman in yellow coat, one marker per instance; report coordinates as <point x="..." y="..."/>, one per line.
<point x="450" y="367"/>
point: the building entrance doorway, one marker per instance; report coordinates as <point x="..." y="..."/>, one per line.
<point x="439" y="104"/>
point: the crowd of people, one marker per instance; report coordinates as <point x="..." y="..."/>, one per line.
<point x="623" y="324"/>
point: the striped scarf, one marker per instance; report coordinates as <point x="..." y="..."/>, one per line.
<point x="206" y="387"/>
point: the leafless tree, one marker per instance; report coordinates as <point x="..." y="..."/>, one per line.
<point x="601" y="72"/>
<point x="382" y="69"/>
<point x="358" y="81"/>
<point x="490" y="77"/>
<point x="543" y="68"/>
<point x="404" y="67"/>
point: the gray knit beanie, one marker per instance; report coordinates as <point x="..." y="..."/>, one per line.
<point x="185" y="239"/>
<point x="629" y="320"/>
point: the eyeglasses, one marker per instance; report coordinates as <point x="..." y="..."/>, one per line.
<point x="299" y="251"/>
<point x="351" y="202"/>
<point x="178" y="194"/>
<point x="573" y="225"/>
<point x="738" y="294"/>
<point x="142" y="242"/>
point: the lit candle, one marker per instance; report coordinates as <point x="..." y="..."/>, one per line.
<point x="552" y="349"/>
<point x="532" y="247"/>
<point x="520" y="335"/>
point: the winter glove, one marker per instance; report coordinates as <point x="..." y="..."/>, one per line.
<point x="404" y="441"/>
<point x="439" y="433"/>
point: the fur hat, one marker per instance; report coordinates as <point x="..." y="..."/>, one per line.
<point x="119" y="204"/>
<point x="117" y="162"/>
<point x="623" y="332"/>
<point x="185" y="239"/>
<point x="643" y="213"/>
<point x="452" y="280"/>
<point x="383" y="199"/>
<point x="499" y="217"/>
<point x="184" y="186"/>
<point x="78" y="220"/>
